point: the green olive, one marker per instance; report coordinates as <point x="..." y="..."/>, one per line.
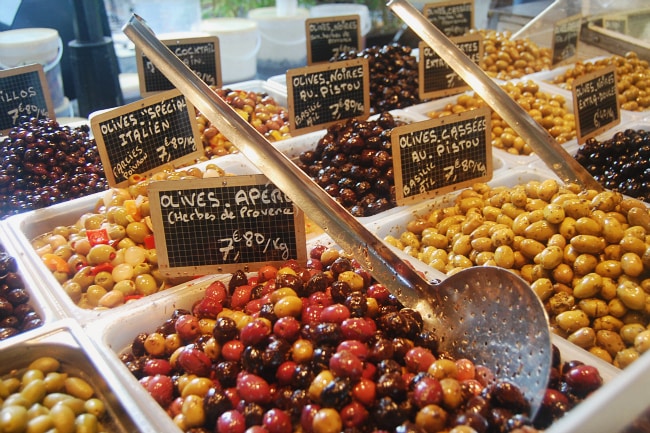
<point x="137" y="231"/>
<point x="104" y="279"/>
<point x="94" y="294"/>
<point x="99" y="254"/>
<point x="127" y="287"/>
<point x="94" y="222"/>
<point x="145" y="284"/>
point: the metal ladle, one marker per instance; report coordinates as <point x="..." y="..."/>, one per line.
<point x="486" y="314"/>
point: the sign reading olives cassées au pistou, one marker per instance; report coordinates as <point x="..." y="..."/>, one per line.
<point x="441" y="155"/>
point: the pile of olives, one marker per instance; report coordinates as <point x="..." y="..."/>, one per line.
<point x="353" y="163"/>
<point x="323" y="348"/>
<point x="43" y="163"/>
<point x="506" y="58"/>
<point x="44" y="397"/>
<point x="393" y="76"/>
<point x="620" y="163"/>
<point x="258" y="108"/>
<point x="585" y="253"/>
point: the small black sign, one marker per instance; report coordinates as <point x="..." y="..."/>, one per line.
<point x="327" y="37"/>
<point x="440" y="155"/>
<point x="453" y="18"/>
<point x="220" y="225"/>
<point x="23" y="92"/>
<point x="327" y="93"/>
<point x="595" y="102"/>
<point x="436" y="77"/>
<point x="566" y="35"/>
<point x="201" y="55"/>
<point x="140" y="137"/>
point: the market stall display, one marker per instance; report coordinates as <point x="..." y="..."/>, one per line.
<point x="319" y="335"/>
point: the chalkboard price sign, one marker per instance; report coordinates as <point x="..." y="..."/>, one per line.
<point x="201" y="55"/>
<point x="327" y="37"/>
<point x="23" y="92"/>
<point x="440" y="155"/>
<point x="453" y="18"/>
<point x="220" y="225"/>
<point x="566" y="35"/>
<point x="324" y="94"/>
<point x="595" y="102"/>
<point x="436" y="77"/>
<point x="140" y="137"/>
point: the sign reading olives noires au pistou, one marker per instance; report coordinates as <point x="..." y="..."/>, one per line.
<point x="436" y="77"/>
<point x="595" y="102"/>
<point x="323" y="94"/>
<point x="327" y="37"/>
<point x="566" y="35"/>
<point x="24" y="92"/>
<point x="436" y="156"/>
<point x="140" y="137"/>
<point x="200" y="54"/>
<point x="220" y="225"/>
<point x="453" y="18"/>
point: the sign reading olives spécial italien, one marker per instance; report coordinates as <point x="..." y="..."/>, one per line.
<point x="327" y="37"/>
<point x="436" y="78"/>
<point x="436" y="156"/>
<point x="220" y="225"/>
<point x="323" y="94"/>
<point x="453" y="18"/>
<point x="200" y="54"/>
<point x="595" y="103"/>
<point x="140" y="137"/>
<point x="24" y="92"/>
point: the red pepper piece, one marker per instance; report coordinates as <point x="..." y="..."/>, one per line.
<point x="100" y="268"/>
<point x="98" y="236"/>
<point x="149" y="242"/>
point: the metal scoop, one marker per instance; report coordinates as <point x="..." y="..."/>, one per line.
<point x="488" y="315"/>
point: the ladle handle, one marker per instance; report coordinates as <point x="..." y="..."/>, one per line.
<point x="538" y="138"/>
<point x="385" y="265"/>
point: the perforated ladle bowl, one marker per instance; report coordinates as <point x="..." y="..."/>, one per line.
<point x="486" y="314"/>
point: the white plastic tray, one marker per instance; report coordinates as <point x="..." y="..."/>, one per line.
<point x="22" y="228"/>
<point x="65" y="340"/>
<point x="114" y="333"/>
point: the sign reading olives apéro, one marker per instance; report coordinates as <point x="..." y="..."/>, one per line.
<point x="23" y="92"/>
<point x="436" y="77"/>
<point x="324" y="94"/>
<point x="566" y="34"/>
<point x="595" y="102"/>
<point x="220" y="225"/>
<point x="200" y="54"/>
<point x="440" y="155"/>
<point x="327" y="37"/>
<point x="453" y="18"/>
<point x="142" y="136"/>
